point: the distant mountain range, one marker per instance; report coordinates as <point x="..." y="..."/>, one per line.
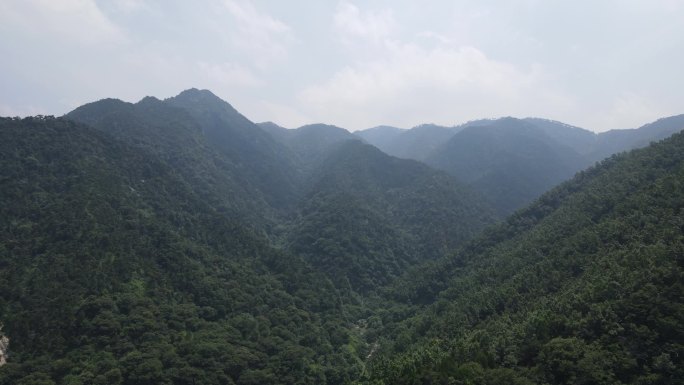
<point x="512" y="161"/>
<point x="417" y="143"/>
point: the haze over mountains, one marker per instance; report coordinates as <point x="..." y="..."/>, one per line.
<point x="175" y="241"/>
<point x="512" y="161"/>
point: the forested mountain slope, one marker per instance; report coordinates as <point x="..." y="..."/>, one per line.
<point x="584" y="286"/>
<point x="422" y="213"/>
<point x="579" y="139"/>
<point x="311" y="143"/>
<point x="368" y="216"/>
<point x="142" y="246"/>
<point x="510" y="161"/>
<point x="380" y="136"/>
<point x="114" y="270"/>
<point x="231" y="160"/>
<point x="263" y="161"/>
<point x="417" y="143"/>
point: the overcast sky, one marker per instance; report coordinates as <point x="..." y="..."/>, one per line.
<point x="596" y="64"/>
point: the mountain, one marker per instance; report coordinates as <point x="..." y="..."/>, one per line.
<point x="580" y="140"/>
<point x="203" y="128"/>
<point x="614" y="141"/>
<point x="231" y="161"/>
<point x="264" y="161"/>
<point x="277" y="132"/>
<point x="311" y="143"/>
<point x="196" y="123"/>
<point x="173" y="241"/>
<point x="509" y="161"/>
<point x="369" y="216"/>
<point x="380" y="136"/>
<point x="416" y="143"/>
<point x="535" y="155"/>
<point x="175" y="137"/>
<point x="115" y="270"/>
<point x="584" y="286"/>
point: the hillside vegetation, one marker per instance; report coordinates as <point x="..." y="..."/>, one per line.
<point x="176" y="242"/>
<point x="113" y="270"/>
<point x="584" y="286"/>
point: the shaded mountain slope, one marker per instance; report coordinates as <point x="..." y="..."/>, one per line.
<point x="368" y="216"/>
<point x="279" y="133"/>
<point x="311" y="143"/>
<point x="582" y="287"/>
<point x="176" y="138"/>
<point x="581" y="140"/>
<point x="263" y="161"/>
<point x="380" y="136"/>
<point x="510" y="161"/>
<point x="422" y="212"/>
<point x="206" y="138"/>
<point x="417" y="143"/>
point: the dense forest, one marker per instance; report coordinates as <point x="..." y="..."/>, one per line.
<point x="114" y="271"/>
<point x="176" y="242"/>
<point x="584" y="286"/>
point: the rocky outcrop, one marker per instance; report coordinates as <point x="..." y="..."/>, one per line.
<point x="4" y="345"/>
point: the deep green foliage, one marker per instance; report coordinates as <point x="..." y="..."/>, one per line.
<point x="585" y="286"/>
<point x="172" y="136"/>
<point x="113" y="270"/>
<point x="239" y="169"/>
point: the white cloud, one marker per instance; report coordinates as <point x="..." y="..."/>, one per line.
<point x="408" y="77"/>
<point x="434" y="36"/>
<point x="351" y="63"/>
<point x="75" y="21"/>
<point x="281" y="114"/>
<point x="230" y="74"/>
<point x="627" y="109"/>
<point x="130" y="5"/>
<point x="350" y="23"/>
<point x="408" y="83"/>
<point x="28" y="110"/>
<point x="261" y="36"/>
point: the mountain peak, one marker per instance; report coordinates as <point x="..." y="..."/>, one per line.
<point x="197" y="96"/>
<point x="322" y="127"/>
<point x="204" y="102"/>
<point x="195" y="92"/>
<point x="148" y="100"/>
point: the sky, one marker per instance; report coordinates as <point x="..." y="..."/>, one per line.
<point x="601" y="64"/>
